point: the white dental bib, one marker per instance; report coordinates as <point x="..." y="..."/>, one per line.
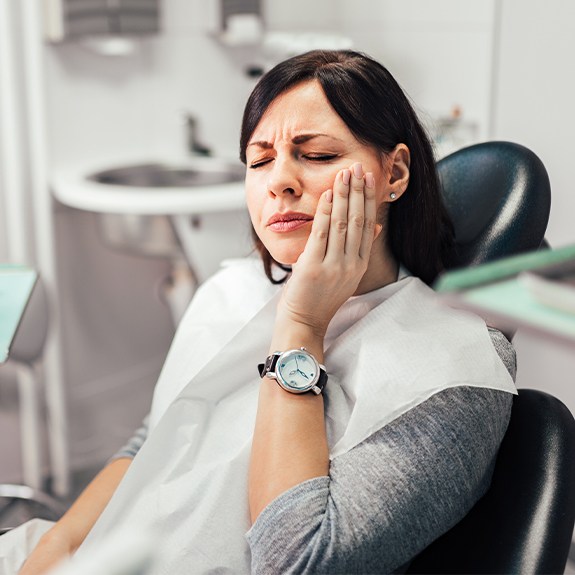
<point x="188" y="483"/>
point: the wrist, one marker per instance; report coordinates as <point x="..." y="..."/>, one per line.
<point x="287" y="319"/>
<point x="293" y="335"/>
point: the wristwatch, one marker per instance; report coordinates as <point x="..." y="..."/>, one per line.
<point x="296" y="370"/>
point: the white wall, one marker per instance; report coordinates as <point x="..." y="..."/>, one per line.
<point x="535" y="102"/>
<point x="440" y="51"/>
<point x="302" y="15"/>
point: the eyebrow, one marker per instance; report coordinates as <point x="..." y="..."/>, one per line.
<point x="299" y="139"/>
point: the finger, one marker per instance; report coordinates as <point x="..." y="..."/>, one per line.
<point x="356" y="211"/>
<point x="316" y="245"/>
<point x="338" y="224"/>
<point x="370" y="226"/>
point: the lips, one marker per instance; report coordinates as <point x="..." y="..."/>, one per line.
<point x="288" y="221"/>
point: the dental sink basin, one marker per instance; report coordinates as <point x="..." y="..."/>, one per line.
<point x="210" y="172"/>
<point x="158" y="186"/>
<point x="163" y="206"/>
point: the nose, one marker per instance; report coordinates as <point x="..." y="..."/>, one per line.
<point x="284" y="178"/>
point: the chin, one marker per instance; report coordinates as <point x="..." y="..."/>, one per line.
<point x="285" y="259"/>
<point x="283" y="249"/>
<point x="286" y="255"/>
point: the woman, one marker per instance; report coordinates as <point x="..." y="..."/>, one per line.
<point x="389" y="450"/>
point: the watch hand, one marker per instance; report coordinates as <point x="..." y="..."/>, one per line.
<point x="299" y="370"/>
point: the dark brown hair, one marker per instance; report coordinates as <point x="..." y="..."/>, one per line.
<point x="378" y="113"/>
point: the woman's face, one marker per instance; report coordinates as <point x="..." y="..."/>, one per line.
<point x="293" y="157"/>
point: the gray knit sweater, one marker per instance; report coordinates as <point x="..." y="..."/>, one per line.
<point x="393" y="494"/>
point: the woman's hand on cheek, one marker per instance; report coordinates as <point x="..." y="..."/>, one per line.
<point x="337" y="252"/>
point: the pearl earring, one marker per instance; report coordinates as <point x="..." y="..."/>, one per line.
<point x="393" y="195"/>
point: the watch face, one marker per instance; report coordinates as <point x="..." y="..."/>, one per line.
<point x="297" y="371"/>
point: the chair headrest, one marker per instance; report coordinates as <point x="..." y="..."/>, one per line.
<point x="499" y="197"/>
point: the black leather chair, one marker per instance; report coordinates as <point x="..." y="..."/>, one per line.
<point x="525" y="521"/>
<point x="498" y="195"/>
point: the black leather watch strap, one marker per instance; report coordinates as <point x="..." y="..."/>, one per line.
<point x="322" y="381"/>
<point x="269" y="365"/>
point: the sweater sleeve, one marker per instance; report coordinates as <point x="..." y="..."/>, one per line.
<point x="134" y="444"/>
<point x="392" y="495"/>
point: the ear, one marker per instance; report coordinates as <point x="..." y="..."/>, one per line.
<point x="398" y="161"/>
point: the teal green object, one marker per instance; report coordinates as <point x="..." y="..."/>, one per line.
<point x="497" y="292"/>
<point x="16" y="285"/>
<point x="511" y="300"/>
<point x="502" y="269"/>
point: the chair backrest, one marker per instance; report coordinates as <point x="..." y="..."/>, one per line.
<point x="525" y="521"/>
<point x="498" y="195"/>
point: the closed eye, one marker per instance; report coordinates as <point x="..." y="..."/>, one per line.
<point x="310" y="157"/>
<point x="260" y="163"/>
<point x="320" y="157"/>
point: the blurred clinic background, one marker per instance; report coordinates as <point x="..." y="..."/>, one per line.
<point x="98" y="98"/>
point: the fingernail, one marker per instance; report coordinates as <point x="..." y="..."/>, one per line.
<point x="369" y="180"/>
<point x="346" y="177"/>
<point x="357" y="170"/>
<point x="329" y="196"/>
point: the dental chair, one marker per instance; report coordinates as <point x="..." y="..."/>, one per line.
<point x="498" y="196"/>
<point x="524" y="523"/>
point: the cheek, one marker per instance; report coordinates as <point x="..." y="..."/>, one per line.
<point x="324" y="175"/>
<point x="318" y="181"/>
<point x="254" y="201"/>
